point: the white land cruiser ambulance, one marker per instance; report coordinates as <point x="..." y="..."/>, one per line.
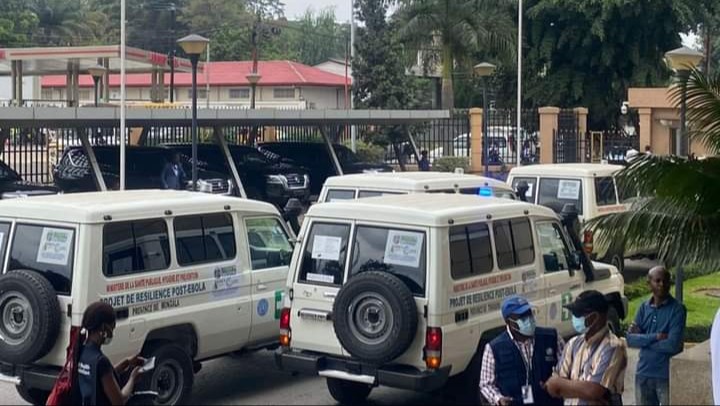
<point x="191" y="275"/>
<point x="358" y="186"/>
<point x="404" y="291"/>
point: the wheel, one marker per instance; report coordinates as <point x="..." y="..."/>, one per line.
<point x="613" y="320"/>
<point x="348" y="392"/>
<point x="618" y="262"/>
<point x="172" y="377"/>
<point x="32" y="395"/>
<point x="29" y="316"/>
<point x="375" y="317"/>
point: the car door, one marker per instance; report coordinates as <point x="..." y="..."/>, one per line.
<point x="321" y="272"/>
<point x="561" y="283"/>
<point x="270" y="253"/>
<point x="531" y="194"/>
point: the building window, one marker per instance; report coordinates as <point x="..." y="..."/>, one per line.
<point x="85" y="95"/>
<point x="202" y="93"/>
<point x="239" y="93"/>
<point x="47" y="94"/>
<point x="284" y="93"/>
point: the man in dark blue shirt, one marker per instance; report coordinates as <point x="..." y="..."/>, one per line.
<point x="658" y="330"/>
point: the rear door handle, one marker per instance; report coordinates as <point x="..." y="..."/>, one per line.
<point x="261" y="286"/>
<point x="330" y="295"/>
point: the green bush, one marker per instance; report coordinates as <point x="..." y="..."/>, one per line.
<point x="449" y="163"/>
<point x="368" y="152"/>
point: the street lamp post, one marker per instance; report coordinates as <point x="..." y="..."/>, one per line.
<point x="484" y="70"/>
<point x="97" y="72"/>
<point x="194" y="45"/>
<point x="681" y="61"/>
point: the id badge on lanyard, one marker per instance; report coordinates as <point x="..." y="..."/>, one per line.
<point x="527" y="392"/>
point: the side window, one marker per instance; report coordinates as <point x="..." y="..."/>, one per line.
<point x="532" y="187"/>
<point x="513" y="243"/>
<point x="269" y="244"/>
<point x="46" y="250"/>
<point x="470" y="250"/>
<point x="325" y="253"/>
<point x="135" y="246"/>
<point x="204" y="238"/>
<point x="337" y="194"/>
<point x="556" y="193"/>
<point x="553" y="247"/>
<point x="399" y="252"/>
<point x="4" y="236"/>
<point x="373" y="193"/>
<point x="605" y="191"/>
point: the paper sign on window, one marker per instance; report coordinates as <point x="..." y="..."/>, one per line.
<point x="403" y="248"/>
<point x="529" y="192"/>
<point x="326" y="247"/>
<point x="569" y="189"/>
<point x="54" y="246"/>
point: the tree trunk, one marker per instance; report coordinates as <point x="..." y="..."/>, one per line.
<point x="448" y="98"/>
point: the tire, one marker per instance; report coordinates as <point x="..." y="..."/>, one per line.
<point x="375" y="317"/>
<point x="614" y="320"/>
<point x="32" y="395"/>
<point x="618" y="262"/>
<point x="348" y="392"/>
<point x="172" y="377"/>
<point x="29" y="317"/>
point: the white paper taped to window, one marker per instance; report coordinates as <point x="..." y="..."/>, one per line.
<point x="529" y="192"/>
<point x="568" y="189"/>
<point x="54" y="246"/>
<point x="403" y="248"/>
<point x="317" y="277"/>
<point x="326" y="247"/>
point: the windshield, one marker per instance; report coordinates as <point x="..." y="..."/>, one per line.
<point x="345" y="155"/>
<point x="249" y="155"/>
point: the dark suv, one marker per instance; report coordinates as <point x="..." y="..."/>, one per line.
<point x="13" y="186"/>
<point x="143" y="168"/>
<point x="315" y="157"/>
<point x="273" y="182"/>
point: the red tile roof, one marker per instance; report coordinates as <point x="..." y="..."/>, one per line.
<point x="274" y="73"/>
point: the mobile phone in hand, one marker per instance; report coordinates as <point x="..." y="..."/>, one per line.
<point x="148" y="365"/>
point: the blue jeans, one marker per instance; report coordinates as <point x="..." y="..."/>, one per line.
<point x="652" y="391"/>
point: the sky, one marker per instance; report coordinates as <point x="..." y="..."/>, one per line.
<point x="296" y="8"/>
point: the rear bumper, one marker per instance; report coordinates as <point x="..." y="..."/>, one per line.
<point x="396" y="376"/>
<point x="30" y="376"/>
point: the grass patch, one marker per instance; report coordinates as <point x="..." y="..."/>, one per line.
<point x="701" y="307"/>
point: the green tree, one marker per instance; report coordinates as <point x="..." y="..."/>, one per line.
<point x="17" y="23"/>
<point x="455" y="30"/>
<point x="318" y="37"/>
<point x="65" y="22"/>
<point x="680" y="208"/>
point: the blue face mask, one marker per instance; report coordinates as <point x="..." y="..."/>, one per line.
<point x="526" y="326"/>
<point x="579" y="324"/>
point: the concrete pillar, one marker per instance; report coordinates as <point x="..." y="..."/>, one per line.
<point x="19" y="78"/>
<point x="645" y="116"/>
<point x="161" y="85"/>
<point x="476" y="138"/>
<point x="13" y="80"/>
<point x="582" y="114"/>
<point x="548" y="127"/>
<point x="68" y="84"/>
<point x="106" y="80"/>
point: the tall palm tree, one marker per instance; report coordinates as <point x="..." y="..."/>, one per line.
<point x="679" y="207"/>
<point x="456" y="29"/>
<point x="66" y="22"/>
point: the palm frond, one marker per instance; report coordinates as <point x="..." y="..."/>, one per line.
<point x="703" y="107"/>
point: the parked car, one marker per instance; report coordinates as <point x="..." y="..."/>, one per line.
<point x="404" y="291"/>
<point x="315" y="157"/>
<point x="499" y="152"/>
<point x="358" y="186"/>
<point x="262" y="179"/>
<point x="143" y="168"/>
<point x="13" y="186"/>
<point x="191" y="276"/>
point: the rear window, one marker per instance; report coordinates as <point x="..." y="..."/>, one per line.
<point x="399" y="252"/>
<point x="605" y="191"/>
<point x="325" y="253"/>
<point x="513" y="243"/>
<point x="204" y="238"/>
<point x="556" y="193"/>
<point x="46" y="250"/>
<point x="532" y="187"/>
<point x="135" y="246"/>
<point x="337" y="194"/>
<point x="470" y="251"/>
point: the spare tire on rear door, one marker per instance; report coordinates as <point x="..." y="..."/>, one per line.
<point x="29" y="316"/>
<point x="375" y="317"/>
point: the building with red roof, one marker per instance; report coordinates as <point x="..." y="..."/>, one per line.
<point x="283" y="84"/>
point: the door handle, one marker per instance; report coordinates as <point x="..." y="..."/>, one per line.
<point x="261" y="286"/>
<point x="330" y="295"/>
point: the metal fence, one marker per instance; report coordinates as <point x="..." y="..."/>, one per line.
<point x="502" y="136"/>
<point x="569" y="143"/>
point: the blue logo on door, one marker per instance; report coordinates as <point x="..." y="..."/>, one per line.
<point x="262" y="307"/>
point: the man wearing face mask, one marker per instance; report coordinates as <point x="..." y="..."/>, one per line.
<point x="517" y="363"/>
<point x="592" y="370"/>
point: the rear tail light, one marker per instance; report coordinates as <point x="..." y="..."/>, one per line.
<point x="285" y="332"/>
<point x="588" y="241"/>
<point x="433" y="347"/>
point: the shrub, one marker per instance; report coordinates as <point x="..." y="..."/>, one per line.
<point x="368" y="152"/>
<point x="449" y="163"/>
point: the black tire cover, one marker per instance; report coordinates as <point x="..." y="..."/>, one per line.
<point x="385" y="308"/>
<point x="29" y="316"/>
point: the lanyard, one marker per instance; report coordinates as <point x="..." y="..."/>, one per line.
<point x="528" y="363"/>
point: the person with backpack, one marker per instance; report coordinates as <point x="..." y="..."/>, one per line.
<point x="98" y="380"/>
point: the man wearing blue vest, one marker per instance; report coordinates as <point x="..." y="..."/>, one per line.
<point x="517" y="363"/>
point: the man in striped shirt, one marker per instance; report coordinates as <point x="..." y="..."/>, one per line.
<point x="592" y="370"/>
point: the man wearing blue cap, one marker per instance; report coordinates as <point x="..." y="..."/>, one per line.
<point x="517" y="363"/>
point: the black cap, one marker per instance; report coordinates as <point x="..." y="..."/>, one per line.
<point x="588" y="302"/>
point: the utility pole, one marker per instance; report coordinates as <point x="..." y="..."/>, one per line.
<point x="171" y="55"/>
<point x="353" y="135"/>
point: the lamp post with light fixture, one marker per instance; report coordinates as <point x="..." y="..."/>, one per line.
<point x="97" y="72"/>
<point x="194" y="45"/>
<point x="484" y="70"/>
<point x="681" y="61"/>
